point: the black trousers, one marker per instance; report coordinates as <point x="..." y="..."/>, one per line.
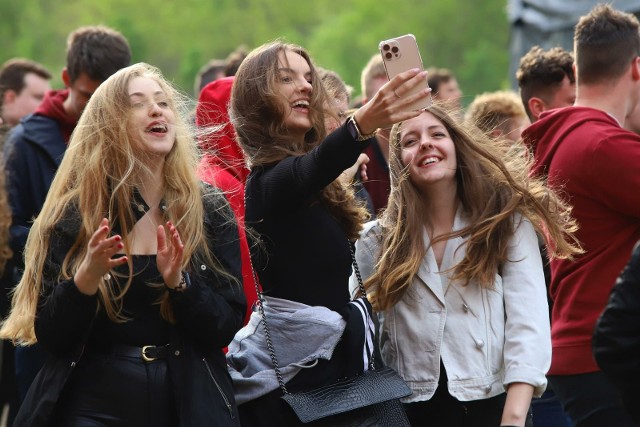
<point x="117" y="391"/>
<point x="591" y="400"/>
<point x="444" y="410"/>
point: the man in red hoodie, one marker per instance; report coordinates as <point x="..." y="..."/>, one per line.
<point x="587" y="154"/>
<point x="35" y="147"/>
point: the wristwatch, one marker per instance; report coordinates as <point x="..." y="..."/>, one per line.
<point x="354" y="130"/>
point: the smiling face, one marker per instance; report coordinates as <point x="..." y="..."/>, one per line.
<point x="294" y="86"/>
<point x="428" y="152"/>
<point x="151" y="119"/>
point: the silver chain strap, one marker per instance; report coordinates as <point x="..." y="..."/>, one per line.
<point x="260" y="303"/>
<point x="272" y="351"/>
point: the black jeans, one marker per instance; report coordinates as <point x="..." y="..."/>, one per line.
<point x="117" y="391"/>
<point x="444" y="410"/>
<point x="590" y="400"/>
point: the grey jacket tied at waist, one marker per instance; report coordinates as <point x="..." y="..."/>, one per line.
<point x="301" y="335"/>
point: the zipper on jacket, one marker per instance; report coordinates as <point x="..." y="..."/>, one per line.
<point x="224" y="396"/>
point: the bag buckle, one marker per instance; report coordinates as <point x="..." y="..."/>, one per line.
<point x="146" y="357"/>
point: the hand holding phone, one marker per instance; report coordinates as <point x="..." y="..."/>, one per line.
<point x="400" y="54"/>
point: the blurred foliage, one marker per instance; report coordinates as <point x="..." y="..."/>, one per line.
<point x="468" y="37"/>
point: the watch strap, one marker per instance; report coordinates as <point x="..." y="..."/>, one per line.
<point x="359" y="136"/>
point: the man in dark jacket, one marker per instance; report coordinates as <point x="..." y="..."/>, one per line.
<point x="616" y="341"/>
<point x="34" y="148"/>
<point x="23" y="84"/>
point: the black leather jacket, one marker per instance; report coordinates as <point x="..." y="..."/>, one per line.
<point x="208" y="314"/>
<point x="616" y="340"/>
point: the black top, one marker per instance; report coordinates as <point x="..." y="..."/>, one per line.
<point x="210" y="311"/>
<point x="616" y="339"/>
<point x="305" y="253"/>
<point x="208" y="314"/>
<point x="140" y="305"/>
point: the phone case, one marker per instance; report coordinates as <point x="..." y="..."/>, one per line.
<point x="400" y="54"/>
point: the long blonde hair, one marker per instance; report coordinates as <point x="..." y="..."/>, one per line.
<point x="258" y="116"/>
<point x="99" y="173"/>
<point x="493" y="185"/>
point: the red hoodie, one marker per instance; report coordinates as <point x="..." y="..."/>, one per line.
<point x="52" y="107"/>
<point x="223" y="166"/>
<point x="596" y="165"/>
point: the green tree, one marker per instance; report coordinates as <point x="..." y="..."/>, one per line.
<point x="470" y="38"/>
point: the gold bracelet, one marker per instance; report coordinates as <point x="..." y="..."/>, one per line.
<point x="354" y="129"/>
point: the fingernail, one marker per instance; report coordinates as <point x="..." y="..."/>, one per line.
<point x="118" y="238"/>
<point x="120" y="246"/>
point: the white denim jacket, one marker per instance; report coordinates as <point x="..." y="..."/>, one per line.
<point x="487" y="338"/>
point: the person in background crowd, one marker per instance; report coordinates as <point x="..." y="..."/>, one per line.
<point x="213" y="70"/>
<point x="498" y="114"/>
<point x="35" y="147"/>
<point x="8" y="387"/>
<point x="445" y="89"/>
<point x="453" y="268"/>
<point x="223" y="165"/>
<point x="132" y="283"/>
<point x="338" y="98"/>
<point x="546" y="80"/>
<point x="373" y="77"/>
<point x="616" y="339"/>
<point x="219" y="68"/>
<point x="23" y="84"/>
<point x="584" y="151"/>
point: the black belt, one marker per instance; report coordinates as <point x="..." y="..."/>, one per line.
<point x="148" y="353"/>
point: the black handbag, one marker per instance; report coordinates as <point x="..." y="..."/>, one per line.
<point x="369" y="399"/>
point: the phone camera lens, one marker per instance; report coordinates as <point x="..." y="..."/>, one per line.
<point x="385" y="47"/>
<point x="394" y="49"/>
<point x="388" y="55"/>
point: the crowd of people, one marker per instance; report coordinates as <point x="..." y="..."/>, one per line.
<point x="143" y="245"/>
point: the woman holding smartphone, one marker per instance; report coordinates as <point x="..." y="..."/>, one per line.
<point x="132" y="281"/>
<point x="454" y="270"/>
<point x="305" y="216"/>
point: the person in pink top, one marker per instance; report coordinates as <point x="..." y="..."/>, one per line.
<point x="584" y="150"/>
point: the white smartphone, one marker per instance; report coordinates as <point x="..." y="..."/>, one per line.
<point x="400" y="54"/>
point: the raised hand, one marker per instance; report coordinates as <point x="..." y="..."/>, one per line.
<point x="98" y="260"/>
<point x="170" y="253"/>
<point x="359" y="166"/>
<point x="389" y="105"/>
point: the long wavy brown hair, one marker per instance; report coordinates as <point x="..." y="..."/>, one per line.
<point x="99" y="173"/>
<point x="493" y="185"/>
<point x="257" y="113"/>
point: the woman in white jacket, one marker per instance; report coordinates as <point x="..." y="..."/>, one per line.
<point x="454" y="270"/>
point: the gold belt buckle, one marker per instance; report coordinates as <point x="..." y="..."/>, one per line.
<point x="144" y="353"/>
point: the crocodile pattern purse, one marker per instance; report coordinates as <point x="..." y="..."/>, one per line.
<point x="369" y="399"/>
